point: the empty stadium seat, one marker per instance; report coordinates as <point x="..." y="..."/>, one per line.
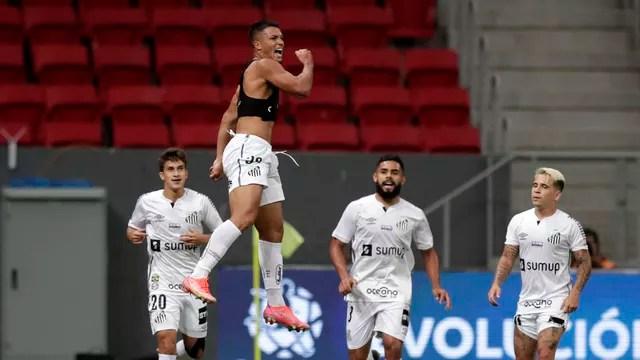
<point x="73" y="116"/>
<point x="431" y="68"/>
<point x="382" y="105"/>
<point x="195" y="113"/>
<point x="226" y="3"/>
<point x="305" y="28"/>
<point x="279" y="5"/>
<point x="413" y="18"/>
<point x="283" y="136"/>
<point x="373" y="67"/>
<point x="137" y="116"/>
<point x="11" y="31"/>
<point x="51" y="25"/>
<point x="61" y="3"/>
<point x="21" y="109"/>
<point x="359" y="26"/>
<point x="180" y="26"/>
<point x="186" y="65"/>
<point x="62" y="65"/>
<point x="196" y="135"/>
<point x="115" y="26"/>
<point x="391" y="138"/>
<point x="102" y="4"/>
<point x="229" y="26"/>
<point x="328" y="136"/>
<point x="11" y="65"/>
<point x="452" y="139"/>
<point x="230" y="62"/>
<point x="335" y="3"/>
<point x="441" y="106"/>
<point x="325" y="104"/>
<point x="325" y="64"/>
<point x="122" y="65"/>
<point x="151" y="5"/>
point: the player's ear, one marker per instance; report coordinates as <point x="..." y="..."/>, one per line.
<point x="558" y="195"/>
<point x="161" y="174"/>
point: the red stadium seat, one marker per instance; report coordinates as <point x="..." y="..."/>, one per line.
<point x="283" y="136"/>
<point x="60" y="3"/>
<point x="151" y="5"/>
<point x="229" y="26"/>
<point x="180" y="26"/>
<point x="196" y="135"/>
<point x="102" y="4"/>
<point x="230" y="62"/>
<point x="51" y="25"/>
<point x="115" y="26"/>
<point x="431" y="68"/>
<point x="184" y="65"/>
<point x="73" y="116"/>
<point x="137" y="116"/>
<point x="413" y="18"/>
<point x="382" y="105"/>
<point x="21" y="109"/>
<point x="327" y="104"/>
<point x="391" y="138"/>
<point x="373" y="67"/>
<point x="302" y="28"/>
<point x="359" y="26"/>
<point x="195" y="112"/>
<point x="11" y="68"/>
<point x="452" y="139"/>
<point x="62" y="65"/>
<point x="335" y="3"/>
<point x="122" y="65"/>
<point x="226" y="3"/>
<point x="328" y="136"/>
<point x="11" y="32"/>
<point x="279" y="5"/>
<point x="443" y="106"/>
<point x="325" y="67"/>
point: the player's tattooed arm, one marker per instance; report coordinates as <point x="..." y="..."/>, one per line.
<point x="583" y="271"/>
<point x="509" y="255"/>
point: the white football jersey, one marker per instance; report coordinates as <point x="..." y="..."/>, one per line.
<point x="381" y="239"/>
<point x="545" y="255"/>
<point x="171" y="259"/>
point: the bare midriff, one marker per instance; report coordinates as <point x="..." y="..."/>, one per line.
<point x="254" y="125"/>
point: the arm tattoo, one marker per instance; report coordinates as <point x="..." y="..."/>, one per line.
<point x="584" y="268"/>
<point x="509" y="254"/>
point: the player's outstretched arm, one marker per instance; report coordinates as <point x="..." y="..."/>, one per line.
<point x="228" y="122"/>
<point x="336" y="253"/>
<point x="583" y="271"/>
<point x="299" y="85"/>
<point x="432" y="268"/>
<point x="509" y="254"/>
<point x="136" y="236"/>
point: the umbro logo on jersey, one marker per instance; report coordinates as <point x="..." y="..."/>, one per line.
<point x="192" y="218"/>
<point x="366" y="250"/>
<point x="523" y="236"/>
<point x="554" y="239"/>
<point x="255" y="172"/>
<point x="403" y="225"/>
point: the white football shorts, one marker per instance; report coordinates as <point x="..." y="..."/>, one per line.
<point x="181" y="312"/>
<point x="532" y="324"/>
<point x="248" y="159"/>
<point x="366" y="318"/>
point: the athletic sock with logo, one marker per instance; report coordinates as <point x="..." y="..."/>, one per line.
<point x="270" y="255"/>
<point x="166" y="357"/>
<point x="219" y="242"/>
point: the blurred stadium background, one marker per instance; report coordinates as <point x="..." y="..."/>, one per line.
<point x="475" y="94"/>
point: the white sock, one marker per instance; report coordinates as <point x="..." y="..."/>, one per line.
<point x="219" y="242"/>
<point x="166" y="357"/>
<point x="270" y="255"/>
<point x="180" y="350"/>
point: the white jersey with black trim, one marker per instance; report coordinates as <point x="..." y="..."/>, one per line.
<point x="545" y="255"/>
<point x="380" y="240"/>
<point x="171" y="259"/>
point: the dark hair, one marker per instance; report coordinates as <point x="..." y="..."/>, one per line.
<point x="391" y="157"/>
<point x="259" y="26"/>
<point x="172" y="154"/>
<point x="592" y="233"/>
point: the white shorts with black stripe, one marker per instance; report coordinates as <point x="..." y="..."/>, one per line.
<point x="366" y="318"/>
<point x="180" y="312"/>
<point x="248" y="159"/>
<point x="532" y="324"/>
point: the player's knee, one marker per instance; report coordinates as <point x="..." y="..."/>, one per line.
<point x="244" y="218"/>
<point x="196" y="351"/>
<point x="392" y="349"/>
<point x="166" y="345"/>
<point x="547" y="350"/>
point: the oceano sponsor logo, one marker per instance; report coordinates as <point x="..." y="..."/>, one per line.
<point x="383" y="292"/>
<point x="538" y="303"/>
<point x="390" y="251"/>
<point x="526" y="265"/>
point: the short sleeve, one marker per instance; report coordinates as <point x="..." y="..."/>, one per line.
<point x="211" y="217"/>
<point x="512" y="229"/>
<point x="346" y="228"/>
<point x="138" y="220"/>
<point x="422" y="235"/>
<point x="577" y="239"/>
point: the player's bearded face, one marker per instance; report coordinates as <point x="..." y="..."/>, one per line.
<point x="388" y="179"/>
